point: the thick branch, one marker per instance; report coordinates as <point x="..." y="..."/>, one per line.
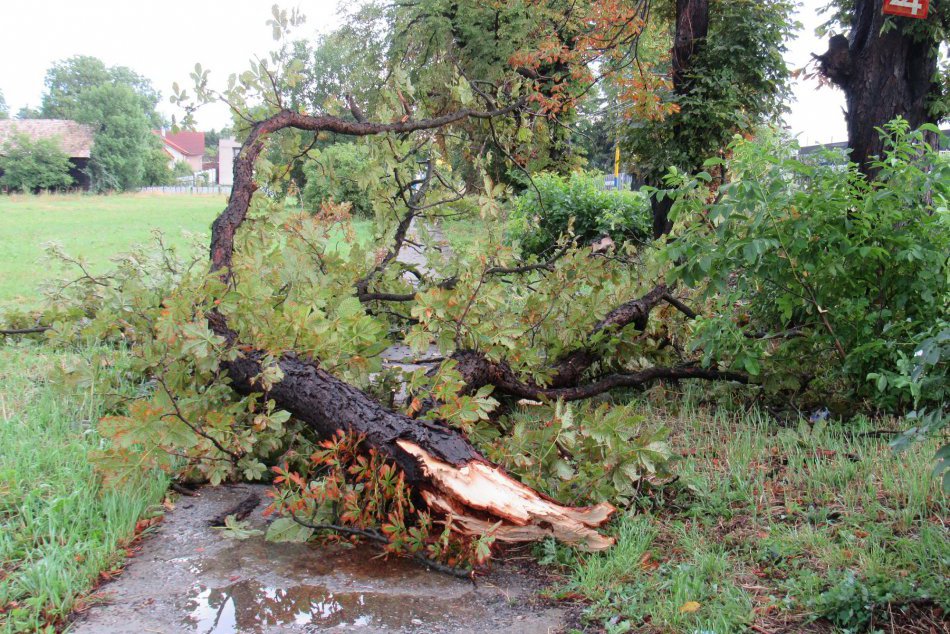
<point x="481" y="371"/>
<point x="225" y="226"/>
<point x="570" y="367"/>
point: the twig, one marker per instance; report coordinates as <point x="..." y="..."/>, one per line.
<point x="461" y="573"/>
<point x="24" y="331"/>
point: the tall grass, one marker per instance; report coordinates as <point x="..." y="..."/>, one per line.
<point x="59" y="527"/>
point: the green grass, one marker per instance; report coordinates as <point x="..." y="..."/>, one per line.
<point x="94" y="229"/>
<point x="59" y="527"/>
<point x="787" y="530"/>
<point x="90" y="227"/>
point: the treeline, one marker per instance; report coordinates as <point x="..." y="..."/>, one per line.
<point x="119" y="105"/>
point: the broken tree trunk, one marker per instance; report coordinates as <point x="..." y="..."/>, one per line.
<point x="449" y="474"/>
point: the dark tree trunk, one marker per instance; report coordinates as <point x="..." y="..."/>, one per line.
<point x="883" y="76"/>
<point x="692" y="26"/>
<point x="447" y="473"/>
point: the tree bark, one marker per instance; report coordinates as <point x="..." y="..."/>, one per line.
<point x="883" y="76"/>
<point x="692" y="26"/>
<point x="447" y="472"/>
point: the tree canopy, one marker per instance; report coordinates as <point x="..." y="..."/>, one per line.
<point x="66" y="81"/>
<point x="123" y="145"/>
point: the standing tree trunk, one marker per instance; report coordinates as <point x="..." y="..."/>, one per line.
<point x="692" y="25"/>
<point x="883" y="75"/>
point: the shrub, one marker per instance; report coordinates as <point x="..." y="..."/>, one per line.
<point x="32" y="166"/>
<point x="334" y="174"/>
<point x="157" y="171"/>
<point x="181" y="169"/>
<point x="577" y="203"/>
<point x="819" y="277"/>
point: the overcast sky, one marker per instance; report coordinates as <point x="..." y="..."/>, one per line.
<point x="162" y="40"/>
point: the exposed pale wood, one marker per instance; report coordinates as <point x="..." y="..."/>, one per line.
<point x="525" y="515"/>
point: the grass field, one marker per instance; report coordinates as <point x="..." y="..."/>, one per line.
<point x="90" y="227"/>
<point x="772" y="529"/>
<point x="59" y="528"/>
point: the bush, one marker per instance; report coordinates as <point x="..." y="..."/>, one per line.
<point x="334" y="174"/>
<point x="577" y="203"/>
<point x="157" y="171"/>
<point x="843" y="276"/>
<point x="181" y="169"/>
<point x="29" y="166"/>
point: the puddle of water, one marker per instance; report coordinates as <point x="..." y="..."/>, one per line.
<point x="249" y="606"/>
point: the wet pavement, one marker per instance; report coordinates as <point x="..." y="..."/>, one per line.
<point x="189" y="578"/>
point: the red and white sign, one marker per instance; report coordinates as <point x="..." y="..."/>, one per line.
<point x="907" y="8"/>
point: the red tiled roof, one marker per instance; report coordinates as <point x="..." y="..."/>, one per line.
<point x="75" y="139"/>
<point x="188" y="143"/>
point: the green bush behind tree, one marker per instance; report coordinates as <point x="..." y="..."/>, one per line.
<point x="334" y="174"/>
<point x="557" y="205"/>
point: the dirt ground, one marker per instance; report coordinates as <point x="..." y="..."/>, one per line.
<point x="187" y="577"/>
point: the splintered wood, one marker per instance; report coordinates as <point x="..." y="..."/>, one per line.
<point x="525" y="514"/>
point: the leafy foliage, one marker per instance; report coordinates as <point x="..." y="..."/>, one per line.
<point x="67" y="80"/>
<point x="836" y="278"/>
<point x="852" y="603"/>
<point x="577" y="206"/>
<point x="349" y="491"/>
<point x="926" y="375"/>
<point x="735" y="82"/>
<point x="32" y="166"/>
<point x="123" y="145"/>
<point x="339" y="173"/>
<point x="581" y="456"/>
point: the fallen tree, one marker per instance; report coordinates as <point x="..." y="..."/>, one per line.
<point x="204" y="337"/>
<point x="449" y="473"/>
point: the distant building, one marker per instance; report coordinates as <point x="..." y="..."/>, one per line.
<point x="184" y="146"/>
<point x="227" y="150"/>
<point x="74" y="139"/>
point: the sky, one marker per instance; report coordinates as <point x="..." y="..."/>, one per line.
<point x="162" y="40"/>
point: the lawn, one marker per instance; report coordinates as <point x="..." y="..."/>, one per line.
<point x="94" y="229"/>
<point x="90" y="227"/>
<point x="774" y="529"/>
<point x="60" y="527"/>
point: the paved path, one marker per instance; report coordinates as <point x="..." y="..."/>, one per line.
<point x="399" y="355"/>
<point x="187" y="578"/>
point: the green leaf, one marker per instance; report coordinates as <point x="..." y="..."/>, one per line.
<point x="285" y="529"/>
